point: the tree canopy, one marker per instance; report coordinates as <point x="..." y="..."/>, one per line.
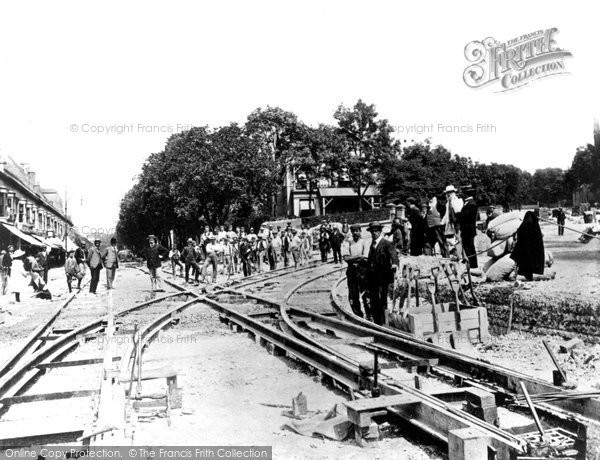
<point x="233" y="174"/>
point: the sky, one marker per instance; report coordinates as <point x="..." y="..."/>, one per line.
<point x="89" y="89"/>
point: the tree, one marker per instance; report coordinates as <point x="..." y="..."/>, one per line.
<point x="279" y="133"/>
<point x="321" y="155"/>
<point x="422" y="172"/>
<point x="548" y="186"/>
<point x="584" y="168"/>
<point x="368" y="144"/>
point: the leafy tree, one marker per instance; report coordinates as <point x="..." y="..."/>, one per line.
<point x="422" y="172"/>
<point x="321" y="155"/>
<point x="279" y="133"/>
<point x="548" y="186"/>
<point x="368" y="142"/>
<point x="585" y="168"/>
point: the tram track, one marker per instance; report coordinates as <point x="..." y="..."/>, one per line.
<point x="337" y="350"/>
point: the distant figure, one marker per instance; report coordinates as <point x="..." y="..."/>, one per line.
<point x="337" y="238"/>
<point x="434" y="231"/>
<point x="417" y="227"/>
<point x="529" y="247"/>
<point x="81" y="258"/>
<point x="42" y="260"/>
<point x="468" y="228"/>
<point x="20" y="278"/>
<point x="111" y="262"/>
<point x="175" y="258"/>
<point x="154" y="255"/>
<point x="71" y="268"/>
<point x="94" y="261"/>
<point x="6" y="268"/>
<point x="560" y="220"/>
<point x="450" y="220"/>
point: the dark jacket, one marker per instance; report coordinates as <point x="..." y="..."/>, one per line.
<point x="468" y="220"/>
<point x="80" y="255"/>
<point x="7" y="260"/>
<point x="154" y="255"/>
<point x="188" y="255"/>
<point x="380" y="261"/>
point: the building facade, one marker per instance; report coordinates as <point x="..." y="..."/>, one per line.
<point x="28" y="213"/>
<point x="301" y="198"/>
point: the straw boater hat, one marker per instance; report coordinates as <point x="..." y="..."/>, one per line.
<point x="450" y="188"/>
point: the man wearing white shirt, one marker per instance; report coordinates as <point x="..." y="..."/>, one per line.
<point x="213" y="249"/>
<point x="355" y="255"/>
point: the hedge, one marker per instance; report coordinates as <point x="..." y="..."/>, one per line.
<point x="357" y="217"/>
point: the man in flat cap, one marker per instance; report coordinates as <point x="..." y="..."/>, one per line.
<point x="382" y="264"/>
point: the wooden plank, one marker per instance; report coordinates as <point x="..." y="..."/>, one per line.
<point x="77" y="362"/>
<point x="374" y="404"/>
<point x="48" y="396"/>
<point x="28" y="432"/>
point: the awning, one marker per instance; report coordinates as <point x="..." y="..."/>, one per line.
<point x="24" y="236"/>
<point x="55" y="242"/>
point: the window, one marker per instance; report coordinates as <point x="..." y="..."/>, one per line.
<point x="21" y="211"/>
<point x="2" y="204"/>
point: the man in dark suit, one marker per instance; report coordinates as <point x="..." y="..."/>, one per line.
<point x="94" y="261"/>
<point x="382" y="264"/>
<point x="468" y="227"/>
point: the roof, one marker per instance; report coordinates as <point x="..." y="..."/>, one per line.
<point x="347" y="192"/>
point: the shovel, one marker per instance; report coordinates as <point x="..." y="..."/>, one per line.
<point x="475" y="298"/>
<point x="415" y="275"/>
<point x="460" y="337"/>
<point x="435" y="271"/>
<point x="391" y="316"/>
<point x="454" y="269"/>
<point x="435" y="337"/>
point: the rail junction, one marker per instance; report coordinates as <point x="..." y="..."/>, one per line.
<point x="303" y="314"/>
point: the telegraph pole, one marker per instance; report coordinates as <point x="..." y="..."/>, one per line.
<point x="66" y="222"/>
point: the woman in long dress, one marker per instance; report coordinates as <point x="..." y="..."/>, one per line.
<point x="19" y="277"/>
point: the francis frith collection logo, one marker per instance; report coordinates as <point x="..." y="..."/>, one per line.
<point x="514" y="63"/>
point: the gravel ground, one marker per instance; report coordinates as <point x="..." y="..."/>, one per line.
<point x="235" y="393"/>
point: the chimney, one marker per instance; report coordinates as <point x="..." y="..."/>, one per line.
<point x="31" y="175"/>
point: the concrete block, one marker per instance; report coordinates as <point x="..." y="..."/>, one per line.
<point x="467" y="444"/>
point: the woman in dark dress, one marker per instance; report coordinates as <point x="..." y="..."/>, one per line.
<point x="528" y="252"/>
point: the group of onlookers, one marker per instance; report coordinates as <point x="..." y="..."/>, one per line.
<point x="23" y="271"/>
<point x="229" y="252"/>
<point x="439" y="226"/>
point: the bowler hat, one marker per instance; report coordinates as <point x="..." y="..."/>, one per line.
<point x="354" y="227"/>
<point x="374" y="226"/>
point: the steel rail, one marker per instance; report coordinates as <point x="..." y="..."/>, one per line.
<point x="348" y="374"/>
<point x="14" y="380"/>
<point x="30" y="344"/>
<point x="457" y="362"/>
